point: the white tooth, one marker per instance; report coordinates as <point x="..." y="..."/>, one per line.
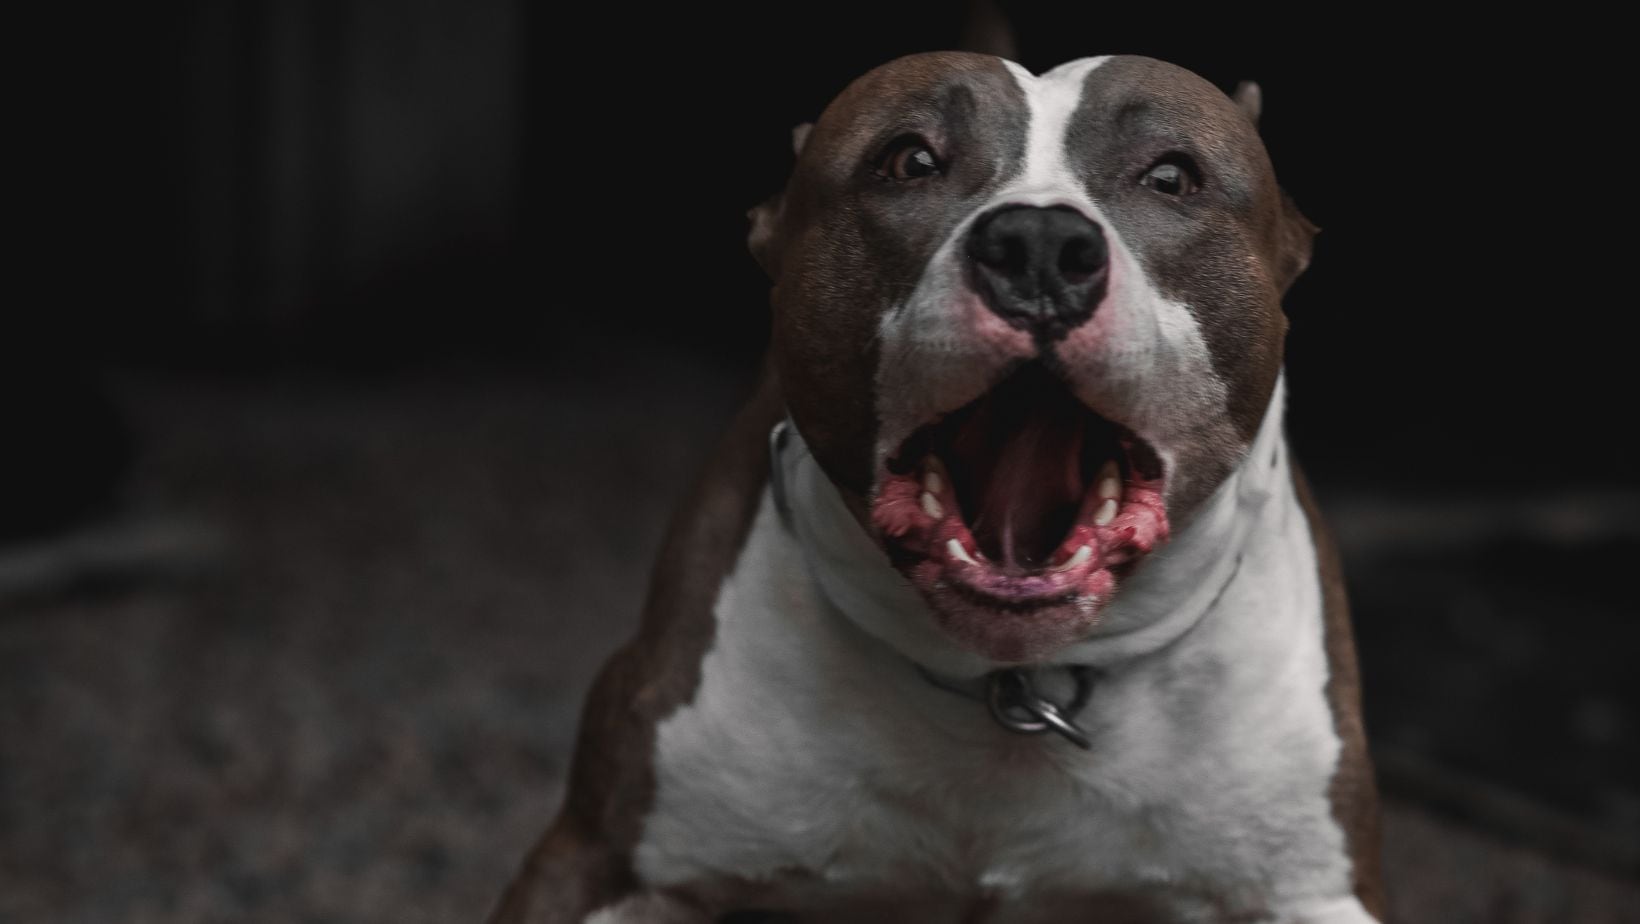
<point x="931" y="506"/>
<point x="1107" y="512"/>
<point x="1077" y="559"/>
<point x="1110" y="481"/>
<point x="958" y="552"/>
<point x="932" y="482"/>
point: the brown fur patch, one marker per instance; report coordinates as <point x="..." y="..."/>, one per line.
<point x="1228" y="252"/>
<point x="847" y="246"/>
<point x="1353" y="792"/>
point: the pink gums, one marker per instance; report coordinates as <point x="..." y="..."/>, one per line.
<point x="1008" y="614"/>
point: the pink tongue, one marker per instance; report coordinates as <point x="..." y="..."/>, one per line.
<point x="1029" y="495"/>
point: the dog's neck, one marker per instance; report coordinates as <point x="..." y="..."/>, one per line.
<point x="1161" y="601"/>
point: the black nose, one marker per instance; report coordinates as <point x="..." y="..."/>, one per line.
<point x="1041" y="269"/>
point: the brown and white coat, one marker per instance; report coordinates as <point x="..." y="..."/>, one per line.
<point x="769" y="743"/>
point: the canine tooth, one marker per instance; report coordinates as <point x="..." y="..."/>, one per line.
<point x="931" y="506"/>
<point x="1077" y="559"/>
<point x="958" y="552"/>
<point x="1110" y="481"/>
<point x="932" y="482"/>
<point x="1107" y="512"/>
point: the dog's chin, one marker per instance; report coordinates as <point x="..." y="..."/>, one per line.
<point x="1017" y="515"/>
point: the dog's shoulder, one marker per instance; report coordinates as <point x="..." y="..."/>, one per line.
<point x="584" y="860"/>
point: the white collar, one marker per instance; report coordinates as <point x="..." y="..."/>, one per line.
<point x="1162" y="600"/>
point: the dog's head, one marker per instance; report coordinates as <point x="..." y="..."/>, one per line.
<point x="1028" y="324"/>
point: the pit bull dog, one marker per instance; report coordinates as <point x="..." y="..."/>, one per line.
<point x="1003" y="599"/>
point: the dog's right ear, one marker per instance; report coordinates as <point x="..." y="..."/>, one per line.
<point x="986" y="30"/>
<point x="1296" y="242"/>
<point x="765" y="217"/>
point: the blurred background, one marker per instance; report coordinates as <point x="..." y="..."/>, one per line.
<point x="377" y="340"/>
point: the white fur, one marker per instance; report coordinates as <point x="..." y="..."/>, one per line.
<point x="811" y="746"/>
<point x="1052" y="98"/>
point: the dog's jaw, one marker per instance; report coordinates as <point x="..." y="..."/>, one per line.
<point x="1104" y="510"/>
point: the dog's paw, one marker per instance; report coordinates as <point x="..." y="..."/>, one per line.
<point x="1347" y="910"/>
<point x="649" y="909"/>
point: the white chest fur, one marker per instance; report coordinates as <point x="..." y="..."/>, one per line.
<point x="813" y="750"/>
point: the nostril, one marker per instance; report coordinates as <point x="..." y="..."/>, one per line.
<point x="1016" y="257"/>
<point x="1004" y="253"/>
<point x="1082" y="257"/>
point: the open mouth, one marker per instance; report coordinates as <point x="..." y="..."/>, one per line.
<point x="1017" y="514"/>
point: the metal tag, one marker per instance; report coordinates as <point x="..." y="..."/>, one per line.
<point x="1017" y="707"/>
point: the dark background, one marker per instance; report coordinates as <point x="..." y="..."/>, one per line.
<point x="290" y="247"/>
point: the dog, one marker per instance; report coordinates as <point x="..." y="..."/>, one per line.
<point x="1003" y="599"/>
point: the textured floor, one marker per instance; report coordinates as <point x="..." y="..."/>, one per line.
<point x="330" y="666"/>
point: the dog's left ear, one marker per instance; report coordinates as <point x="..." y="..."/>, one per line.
<point x="1250" y="98"/>
<point x="765" y="216"/>
<point x="800" y="138"/>
<point x="1297" y="235"/>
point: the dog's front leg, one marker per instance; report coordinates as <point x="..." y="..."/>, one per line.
<point x="1332" y="911"/>
<point x="572" y="879"/>
<point x="564" y="879"/>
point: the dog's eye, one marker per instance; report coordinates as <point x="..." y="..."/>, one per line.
<point x="908" y="158"/>
<point x="1171" y="178"/>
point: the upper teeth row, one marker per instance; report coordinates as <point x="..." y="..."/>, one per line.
<point x="1108" y="490"/>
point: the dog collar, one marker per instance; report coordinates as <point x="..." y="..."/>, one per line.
<point x="1009" y="693"/>
<point x="1018" y="706"/>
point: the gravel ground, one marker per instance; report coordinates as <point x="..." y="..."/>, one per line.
<point x="326" y="665"/>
